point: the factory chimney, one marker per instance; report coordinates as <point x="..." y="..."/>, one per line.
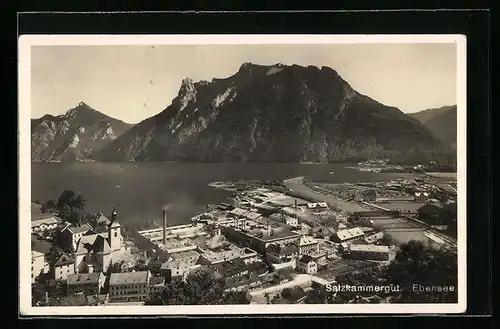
<point x="164" y="226"/>
<point x="296" y="214"/>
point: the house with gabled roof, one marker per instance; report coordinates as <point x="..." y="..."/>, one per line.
<point x="63" y="267"/>
<point x="276" y="253"/>
<point x="306" y="264"/>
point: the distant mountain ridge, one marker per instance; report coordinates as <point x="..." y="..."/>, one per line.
<point x="74" y="135"/>
<point x="442" y="122"/>
<point x="271" y="113"/>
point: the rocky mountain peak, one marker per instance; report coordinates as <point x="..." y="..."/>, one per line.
<point x="269" y="113"/>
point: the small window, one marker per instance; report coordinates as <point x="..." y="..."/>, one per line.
<point x="116" y="234"/>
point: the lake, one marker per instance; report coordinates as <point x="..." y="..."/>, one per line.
<point x="140" y="190"/>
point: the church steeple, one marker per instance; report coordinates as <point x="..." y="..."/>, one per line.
<point x="114" y="234"/>
<point x="113" y="215"/>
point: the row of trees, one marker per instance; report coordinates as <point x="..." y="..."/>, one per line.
<point x="201" y="287"/>
<point x="414" y="263"/>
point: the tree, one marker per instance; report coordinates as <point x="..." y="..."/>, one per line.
<point x="67" y="198"/>
<point x="315" y="297"/>
<point x="49" y="206"/>
<point x="387" y="239"/>
<point x="79" y="202"/>
<point x="200" y="288"/>
<point x="53" y="255"/>
<point x="415" y="263"/>
<point x="71" y="207"/>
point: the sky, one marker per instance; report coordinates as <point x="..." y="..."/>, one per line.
<point x="134" y="82"/>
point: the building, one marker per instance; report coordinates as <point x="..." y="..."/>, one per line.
<point x="39" y="265"/>
<point x="308" y="245"/>
<point x="64" y="267"/>
<point x="317" y="207"/>
<point x="70" y="235"/>
<point x="177" y="269"/>
<point x="421" y="196"/>
<point x="41" y="222"/>
<point x="258" y="236"/>
<point x="276" y="253"/>
<point x="129" y="287"/>
<point x="88" y="283"/>
<point x="433" y="214"/>
<point x="374" y="237"/>
<point x="306" y="264"/>
<point x="351" y="234"/>
<point x="369" y="195"/>
<point x="156" y="284"/>
<point x="284" y="219"/>
<point x="367" y="252"/>
<point x="45" y="224"/>
<point x="219" y="255"/>
<point x="95" y="251"/>
<point x="232" y="268"/>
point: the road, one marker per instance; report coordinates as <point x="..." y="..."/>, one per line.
<point x="296" y="185"/>
<point x="301" y="279"/>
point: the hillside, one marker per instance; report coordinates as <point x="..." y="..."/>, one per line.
<point x="442" y="122"/>
<point x="271" y="114"/>
<point x="74" y="135"/>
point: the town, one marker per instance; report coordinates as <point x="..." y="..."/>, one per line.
<point x="274" y="242"/>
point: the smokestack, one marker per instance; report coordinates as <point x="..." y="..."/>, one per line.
<point x="164" y="226"/>
<point x="296" y="214"/>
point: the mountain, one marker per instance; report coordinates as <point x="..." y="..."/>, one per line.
<point x="272" y="113"/>
<point x="74" y="135"/>
<point x="442" y="122"/>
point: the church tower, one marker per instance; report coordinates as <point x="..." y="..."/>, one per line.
<point x="114" y="233"/>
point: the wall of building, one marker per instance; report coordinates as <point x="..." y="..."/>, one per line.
<point x="37" y="267"/>
<point x="128" y="292"/>
<point x="366" y="255"/>
<point x="62" y="272"/>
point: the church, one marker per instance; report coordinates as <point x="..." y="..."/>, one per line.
<point x="94" y="250"/>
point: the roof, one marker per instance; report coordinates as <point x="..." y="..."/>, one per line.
<point x="40" y="245"/>
<point x="101" y="245"/>
<point x="129" y="277"/>
<point x="156" y="281"/>
<point x="84" y="278"/>
<point x="368" y="248"/>
<point x="306" y="259"/>
<point x="65" y="259"/>
<point x="78" y="229"/>
<point x="258" y="268"/>
<point x="277" y="234"/>
<point x="231" y="267"/>
<point x="114" y="224"/>
<point x="252" y="215"/>
<point x="238" y="212"/>
<point x="431" y="207"/>
<point x="307" y="240"/>
<point x="96" y="299"/>
<point x="374" y="237"/>
<point x="35" y="254"/>
<point x="47" y="221"/>
<point x="349" y="233"/>
<point x="283" y="250"/>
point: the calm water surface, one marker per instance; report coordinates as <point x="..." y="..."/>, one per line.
<point x="140" y="190"/>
